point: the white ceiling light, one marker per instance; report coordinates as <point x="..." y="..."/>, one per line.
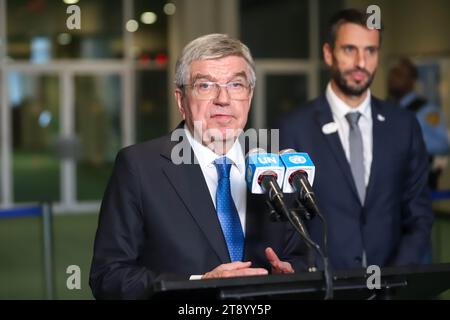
<point x="132" y="25"/>
<point x="169" y="8"/>
<point x="64" y="39"/>
<point x="149" y="17"/>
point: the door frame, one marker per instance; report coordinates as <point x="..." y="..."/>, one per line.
<point x="66" y="72"/>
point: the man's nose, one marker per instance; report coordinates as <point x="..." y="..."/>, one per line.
<point x="223" y="98"/>
<point x="361" y="59"/>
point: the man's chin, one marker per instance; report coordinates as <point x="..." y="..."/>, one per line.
<point x="223" y="134"/>
<point x="221" y="142"/>
<point x="355" y="90"/>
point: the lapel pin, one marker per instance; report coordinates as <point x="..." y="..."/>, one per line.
<point x="330" y="128"/>
<point x="381" y="118"/>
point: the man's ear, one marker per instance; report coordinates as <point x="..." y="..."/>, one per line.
<point x="328" y="54"/>
<point x="179" y="96"/>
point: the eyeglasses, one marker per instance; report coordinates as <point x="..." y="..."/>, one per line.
<point x="208" y="90"/>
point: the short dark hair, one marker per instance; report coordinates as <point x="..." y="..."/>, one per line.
<point x="409" y="66"/>
<point x="347" y="16"/>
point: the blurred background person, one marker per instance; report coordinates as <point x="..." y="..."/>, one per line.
<point x="372" y="168"/>
<point x="402" y="80"/>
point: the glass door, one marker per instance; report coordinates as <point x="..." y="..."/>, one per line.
<point x="34" y="113"/>
<point x="98" y="130"/>
<point x="66" y="128"/>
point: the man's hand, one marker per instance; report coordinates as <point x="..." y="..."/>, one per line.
<point x="278" y="266"/>
<point x="234" y="269"/>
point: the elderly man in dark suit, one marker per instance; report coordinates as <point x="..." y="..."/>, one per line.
<point x="372" y="166"/>
<point x="188" y="215"/>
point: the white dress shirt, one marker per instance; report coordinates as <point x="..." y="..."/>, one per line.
<point x="206" y="158"/>
<point x="339" y="109"/>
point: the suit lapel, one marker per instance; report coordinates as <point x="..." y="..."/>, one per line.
<point x="323" y="117"/>
<point x="379" y="135"/>
<point x="191" y="187"/>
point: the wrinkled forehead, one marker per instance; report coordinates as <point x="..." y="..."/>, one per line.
<point x="222" y="69"/>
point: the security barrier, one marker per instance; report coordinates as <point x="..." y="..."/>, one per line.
<point x="44" y="211"/>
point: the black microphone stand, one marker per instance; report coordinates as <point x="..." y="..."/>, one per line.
<point x="303" y="215"/>
<point x="298" y="214"/>
<point x="298" y="224"/>
<point x="279" y="211"/>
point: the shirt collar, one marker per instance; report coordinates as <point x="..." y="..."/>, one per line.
<point x="339" y="108"/>
<point x="206" y="156"/>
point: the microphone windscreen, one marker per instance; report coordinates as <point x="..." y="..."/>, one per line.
<point x="258" y="163"/>
<point x="295" y="161"/>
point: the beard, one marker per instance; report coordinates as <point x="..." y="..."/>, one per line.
<point x="348" y="89"/>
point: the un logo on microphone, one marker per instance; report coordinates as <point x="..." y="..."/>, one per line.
<point x="297" y="159"/>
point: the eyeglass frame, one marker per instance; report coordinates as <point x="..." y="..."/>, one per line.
<point x="218" y="87"/>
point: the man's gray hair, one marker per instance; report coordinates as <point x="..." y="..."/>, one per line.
<point x="208" y="47"/>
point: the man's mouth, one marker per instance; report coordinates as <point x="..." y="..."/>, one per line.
<point x="358" y="75"/>
<point x="222" y="117"/>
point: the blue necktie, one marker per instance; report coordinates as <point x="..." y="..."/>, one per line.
<point x="227" y="212"/>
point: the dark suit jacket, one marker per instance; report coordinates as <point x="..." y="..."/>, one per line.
<point x="157" y="220"/>
<point x="395" y="222"/>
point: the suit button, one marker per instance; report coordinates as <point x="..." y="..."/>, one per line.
<point x="358" y="259"/>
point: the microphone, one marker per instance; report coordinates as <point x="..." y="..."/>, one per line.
<point x="299" y="177"/>
<point x="265" y="172"/>
<point x="259" y="163"/>
<point x="264" y="175"/>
